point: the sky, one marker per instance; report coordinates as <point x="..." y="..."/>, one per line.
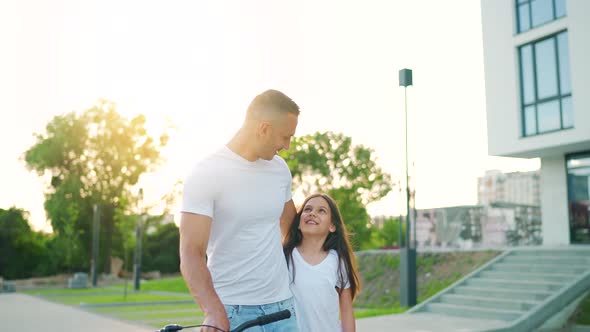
<point x="197" y="65"/>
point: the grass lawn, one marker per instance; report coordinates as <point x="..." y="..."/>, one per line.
<point x="65" y="291"/>
<point x="363" y="313"/>
<point x="176" y="285"/>
<point x="378" y="297"/>
<point x="118" y="298"/>
<point x="156" y="315"/>
<point x="144" y="308"/>
<point x="142" y="315"/>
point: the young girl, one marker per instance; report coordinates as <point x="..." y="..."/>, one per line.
<point x="322" y="267"/>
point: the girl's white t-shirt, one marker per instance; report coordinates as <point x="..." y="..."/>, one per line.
<point x="317" y="304"/>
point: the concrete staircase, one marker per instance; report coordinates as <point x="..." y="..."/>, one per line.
<point x="523" y="288"/>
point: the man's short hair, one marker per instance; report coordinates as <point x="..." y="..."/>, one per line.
<point x="272" y="101"/>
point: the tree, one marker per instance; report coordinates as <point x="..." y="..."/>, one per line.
<point x="161" y="249"/>
<point x="93" y="158"/>
<point x="328" y="162"/>
<point x="22" y="250"/>
<point x="388" y="235"/>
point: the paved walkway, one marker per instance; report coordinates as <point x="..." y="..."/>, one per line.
<point x="21" y="312"/>
<point x="425" y="322"/>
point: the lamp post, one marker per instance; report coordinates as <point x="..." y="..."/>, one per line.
<point x="407" y="253"/>
<point x="95" y="247"/>
<point x="138" y="243"/>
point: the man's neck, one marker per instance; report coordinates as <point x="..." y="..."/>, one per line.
<point x="239" y="145"/>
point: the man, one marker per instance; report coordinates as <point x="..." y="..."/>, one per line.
<point x="236" y="204"/>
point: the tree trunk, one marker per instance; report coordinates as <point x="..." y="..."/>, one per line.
<point x="109" y="213"/>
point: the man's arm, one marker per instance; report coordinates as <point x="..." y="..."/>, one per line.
<point x="194" y="236"/>
<point x="287" y="217"/>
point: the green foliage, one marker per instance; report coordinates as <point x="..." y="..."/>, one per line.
<point x="380" y="274"/>
<point x="160" y="249"/>
<point x="388" y="235"/>
<point x="581" y="315"/>
<point x="354" y="214"/>
<point x="329" y="163"/>
<point x="93" y="158"/>
<point x="22" y="250"/>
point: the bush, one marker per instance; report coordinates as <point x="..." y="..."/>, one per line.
<point x="23" y="250"/>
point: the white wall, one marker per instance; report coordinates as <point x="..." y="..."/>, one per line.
<point x="500" y="43"/>
<point x="554" y="212"/>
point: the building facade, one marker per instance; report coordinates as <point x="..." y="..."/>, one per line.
<point x="516" y="187"/>
<point x="477" y="226"/>
<point x="537" y="77"/>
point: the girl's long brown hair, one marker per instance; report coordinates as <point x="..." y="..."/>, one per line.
<point x="337" y="240"/>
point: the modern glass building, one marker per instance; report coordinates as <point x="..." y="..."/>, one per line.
<point x="537" y="72"/>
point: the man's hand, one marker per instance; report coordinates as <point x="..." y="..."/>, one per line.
<point x="218" y="319"/>
<point x="194" y="236"/>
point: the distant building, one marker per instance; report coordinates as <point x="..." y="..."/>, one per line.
<point x="537" y="77"/>
<point x="379" y="221"/>
<point x="497" y="224"/>
<point x="517" y="188"/>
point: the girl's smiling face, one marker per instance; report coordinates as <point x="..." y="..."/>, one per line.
<point x="316" y="218"/>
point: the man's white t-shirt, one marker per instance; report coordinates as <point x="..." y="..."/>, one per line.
<point x="245" y="201"/>
<point x="317" y="302"/>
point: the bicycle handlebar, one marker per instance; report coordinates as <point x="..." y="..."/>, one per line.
<point x="262" y="320"/>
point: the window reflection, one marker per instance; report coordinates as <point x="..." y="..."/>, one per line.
<point x="546" y="68"/>
<point x="548" y="114"/>
<point x="564" y="63"/>
<point x="532" y="13"/>
<point x="545" y="85"/>
<point x="567" y="112"/>
<point x="578" y="174"/>
<point x="542" y="11"/>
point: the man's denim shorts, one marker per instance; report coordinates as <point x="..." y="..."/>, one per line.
<point x="238" y="314"/>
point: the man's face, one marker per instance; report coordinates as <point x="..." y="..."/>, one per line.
<point x="278" y="135"/>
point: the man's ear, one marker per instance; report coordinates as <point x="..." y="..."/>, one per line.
<point x="264" y="129"/>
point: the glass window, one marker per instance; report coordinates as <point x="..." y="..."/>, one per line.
<point x="532" y="13"/>
<point x="559" y="8"/>
<point x="567" y="113"/>
<point x="564" y="63"/>
<point x="530" y="121"/>
<point x="546" y="68"/>
<point x="542" y="11"/>
<point x="524" y="17"/>
<point x="548" y="114"/>
<point x="578" y="187"/>
<point x="528" y="74"/>
<point x="545" y="85"/>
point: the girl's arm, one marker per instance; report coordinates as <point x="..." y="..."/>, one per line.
<point x="346" y="311"/>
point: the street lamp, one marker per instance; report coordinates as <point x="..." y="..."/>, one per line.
<point x="408" y="253"/>
<point x="95" y="247"/>
<point x="138" y="242"/>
